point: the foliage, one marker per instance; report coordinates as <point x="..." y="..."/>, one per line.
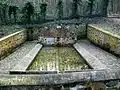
<point x="79" y="8"/>
<point x="43" y="9"/>
<point x="90" y="6"/>
<point x="13" y="10"/>
<point x="75" y="8"/>
<point x="104" y="13"/>
<point x="60" y="9"/>
<point x="28" y="11"/>
<point x="3" y="12"/>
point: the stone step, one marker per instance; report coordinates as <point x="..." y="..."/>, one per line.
<point x="27" y="60"/>
<point x="96" y="57"/>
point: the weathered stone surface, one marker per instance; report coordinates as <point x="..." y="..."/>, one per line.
<point x="26" y="61"/>
<point x="60" y="78"/>
<point x="38" y="31"/>
<point x="104" y="38"/>
<point x="96" y="57"/>
<point x="9" y="62"/>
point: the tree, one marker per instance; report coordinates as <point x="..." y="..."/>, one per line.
<point x="90" y="6"/>
<point x="105" y="6"/>
<point x="3" y="12"/>
<point x="13" y="10"/>
<point x="60" y="9"/>
<point x="75" y="8"/>
<point x="28" y="11"/>
<point x="43" y="9"/>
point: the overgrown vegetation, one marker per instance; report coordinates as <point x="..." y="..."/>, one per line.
<point x="90" y="6"/>
<point x="75" y="8"/>
<point x="29" y="14"/>
<point x="105" y="7"/>
<point x="60" y="9"/>
<point x="43" y="9"/>
<point x="13" y="10"/>
<point x="28" y="11"/>
<point x="3" y="12"/>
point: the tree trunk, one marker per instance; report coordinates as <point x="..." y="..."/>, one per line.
<point x="105" y="6"/>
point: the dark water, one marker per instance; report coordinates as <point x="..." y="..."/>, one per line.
<point x="58" y="59"/>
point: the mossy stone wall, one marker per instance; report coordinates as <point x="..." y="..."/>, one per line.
<point x="78" y="30"/>
<point x="104" y="39"/>
<point x="10" y="42"/>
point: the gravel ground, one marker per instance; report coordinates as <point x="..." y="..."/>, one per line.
<point x="9" y="62"/>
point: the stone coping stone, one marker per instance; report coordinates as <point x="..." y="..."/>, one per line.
<point x="91" y="60"/>
<point x="96" y="57"/>
<point x="41" y="72"/>
<point x="60" y="78"/>
<point x="27" y="60"/>
<point x="14" y="58"/>
<point x="13" y="34"/>
<point x="104" y="31"/>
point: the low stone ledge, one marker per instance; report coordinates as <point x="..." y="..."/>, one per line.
<point x="104" y="39"/>
<point x="8" y="36"/>
<point x="27" y="60"/>
<point x="104" y="31"/>
<point x="96" y="57"/>
<point x="10" y="42"/>
<point x="91" y="60"/>
<point x="60" y="78"/>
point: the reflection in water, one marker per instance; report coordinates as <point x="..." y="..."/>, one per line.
<point x="58" y="59"/>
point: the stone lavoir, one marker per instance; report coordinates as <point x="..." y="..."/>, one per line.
<point x="59" y="45"/>
<point x="71" y="60"/>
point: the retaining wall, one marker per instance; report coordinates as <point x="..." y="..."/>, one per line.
<point x="35" y="32"/>
<point x="104" y="39"/>
<point x="10" y="42"/>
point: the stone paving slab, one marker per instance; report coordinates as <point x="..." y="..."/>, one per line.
<point x="27" y="60"/>
<point x="60" y="78"/>
<point x="9" y="62"/>
<point x="97" y="57"/>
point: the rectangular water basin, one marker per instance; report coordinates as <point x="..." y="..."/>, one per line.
<point x="58" y="59"/>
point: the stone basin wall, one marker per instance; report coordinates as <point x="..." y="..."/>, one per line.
<point x="35" y="32"/>
<point x="104" y="39"/>
<point x="10" y="42"/>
